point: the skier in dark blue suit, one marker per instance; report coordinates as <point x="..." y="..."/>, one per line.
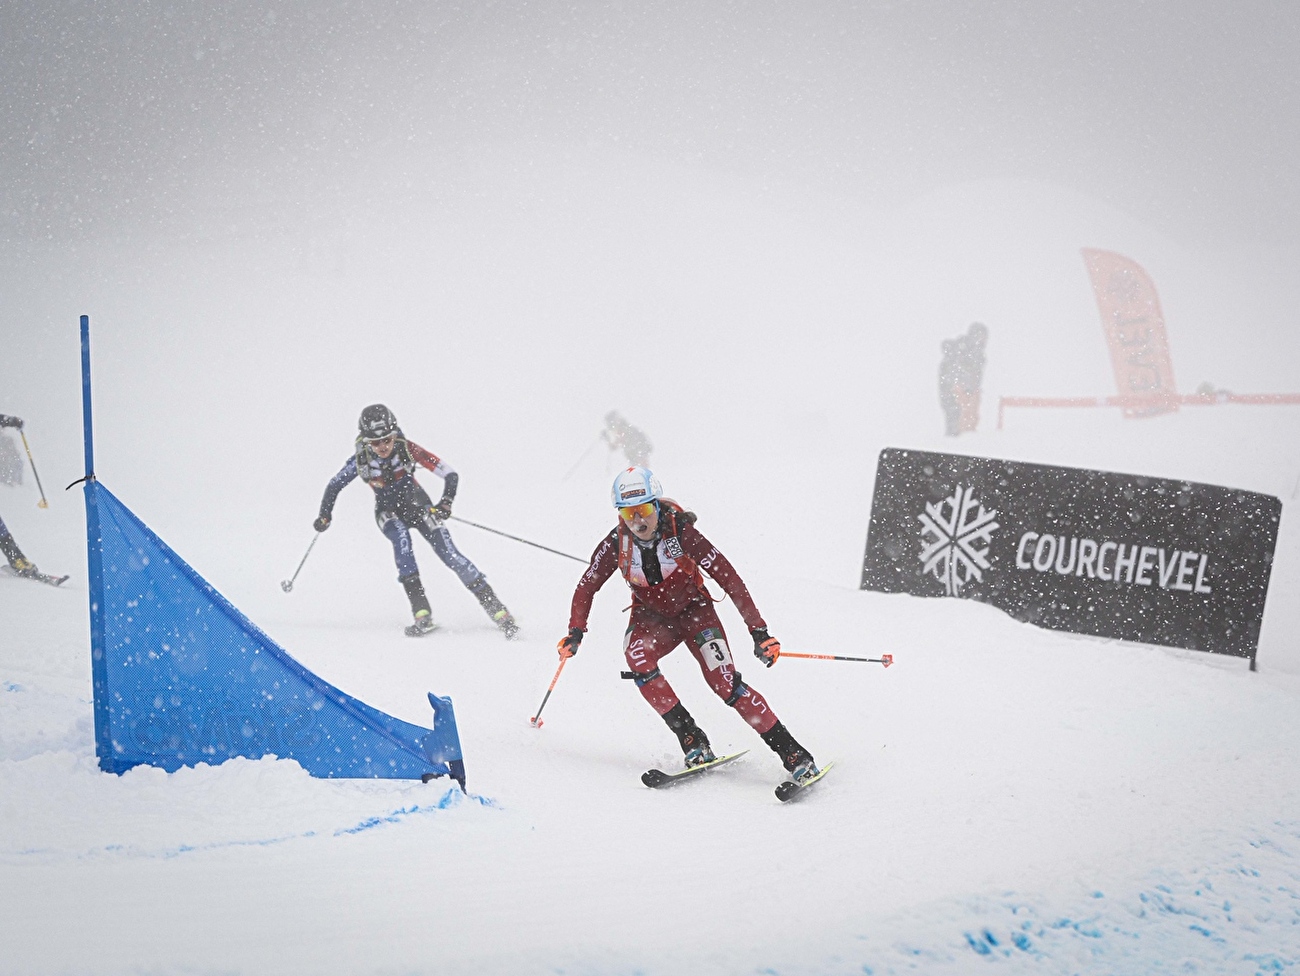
<point x="387" y="461"/>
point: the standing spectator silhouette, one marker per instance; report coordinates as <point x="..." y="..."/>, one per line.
<point x="961" y="374"/>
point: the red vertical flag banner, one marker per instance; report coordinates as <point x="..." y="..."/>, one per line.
<point x="1135" y="331"/>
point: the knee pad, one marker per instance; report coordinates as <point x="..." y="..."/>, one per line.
<point x="738" y="689"/>
<point x="641" y="680"/>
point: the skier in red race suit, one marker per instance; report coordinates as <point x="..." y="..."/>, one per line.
<point x="661" y="555"/>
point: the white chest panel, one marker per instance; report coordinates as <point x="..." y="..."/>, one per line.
<point x="667" y="564"/>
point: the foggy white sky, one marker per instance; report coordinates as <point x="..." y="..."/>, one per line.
<point x="135" y="116"/>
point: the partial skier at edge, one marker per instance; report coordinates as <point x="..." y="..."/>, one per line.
<point x="387" y="461"/>
<point x="20" y="564"/>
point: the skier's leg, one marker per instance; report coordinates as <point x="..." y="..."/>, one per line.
<point x="695" y="744"/>
<point x="797" y="760"/>
<point x="709" y="645"/>
<point x="493" y="607"/>
<point x="17" y="561"/>
<point x="408" y="572"/>
<point x="414" y="587"/>
<point x="647" y="640"/>
<point x="708" y="642"/>
<point x="437" y="535"/>
<point x="7" y="544"/>
<point x="395" y="530"/>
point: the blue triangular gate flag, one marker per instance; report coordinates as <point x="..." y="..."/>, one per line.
<point x="182" y="677"/>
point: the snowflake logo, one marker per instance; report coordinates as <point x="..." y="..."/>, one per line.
<point x="949" y="541"/>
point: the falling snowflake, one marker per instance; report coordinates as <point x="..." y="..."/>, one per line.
<point x="948" y="542"/>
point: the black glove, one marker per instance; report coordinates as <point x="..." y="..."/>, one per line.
<point x="568" y="645"/>
<point x="11" y="422"/>
<point x="322" y="523"/>
<point x="443" y="508"/>
<point x="766" y="647"/>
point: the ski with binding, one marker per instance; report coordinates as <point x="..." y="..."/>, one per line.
<point x="36" y="577"/>
<point x="790" y="790"/>
<point x="415" y="630"/>
<point x="657" y="778"/>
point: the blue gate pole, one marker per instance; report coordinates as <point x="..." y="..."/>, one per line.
<point x="95" y="567"/>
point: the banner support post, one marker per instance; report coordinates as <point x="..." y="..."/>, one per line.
<point x="88" y="429"/>
<point x="95" y="568"/>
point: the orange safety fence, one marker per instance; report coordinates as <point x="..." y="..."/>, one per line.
<point x="1150" y="404"/>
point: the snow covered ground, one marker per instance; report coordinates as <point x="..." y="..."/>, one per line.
<point x="1003" y="797"/>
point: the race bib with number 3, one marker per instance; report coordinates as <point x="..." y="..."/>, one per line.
<point x="715" y="654"/>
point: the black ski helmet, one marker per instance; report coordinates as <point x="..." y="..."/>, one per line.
<point x="377" y="422"/>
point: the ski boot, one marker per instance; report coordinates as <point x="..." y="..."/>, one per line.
<point x="696" y="750"/>
<point x="700" y="755"/>
<point x="494" y="608"/>
<point x="506" y="621"/>
<point x="804" y="769"/>
<point x="797" y="760"/>
<point x="419" y="606"/>
<point x="423" y="624"/>
<point x="24" y="566"/>
<point x="20" y="564"/>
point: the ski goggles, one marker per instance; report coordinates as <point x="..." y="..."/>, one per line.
<point x="381" y="441"/>
<point x="631" y="512"/>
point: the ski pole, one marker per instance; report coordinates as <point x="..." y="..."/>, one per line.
<point x="42" y="503"/>
<point x="287" y="585"/>
<point x="885" y="659"/>
<point x="536" y="720"/>
<point x="516" y="538"/>
<point x="577" y="463"/>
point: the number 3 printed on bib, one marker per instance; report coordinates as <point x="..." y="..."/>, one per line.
<point x="715" y="653"/>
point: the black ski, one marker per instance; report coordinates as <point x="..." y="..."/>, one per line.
<point x="36" y="577"/>
<point x="415" y="630"/>
<point x="790" y="790"/>
<point x="657" y="778"/>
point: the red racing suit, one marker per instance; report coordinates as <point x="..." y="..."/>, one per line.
<point x="670" y="605"/>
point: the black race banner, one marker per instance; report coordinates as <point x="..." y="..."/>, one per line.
<point x="1092" y="552"/>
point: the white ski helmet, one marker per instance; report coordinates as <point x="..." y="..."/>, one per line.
<point x="636" y="486"/>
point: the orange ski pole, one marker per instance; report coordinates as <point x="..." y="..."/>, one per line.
<point x="885" y="659"/>
<point x="536" y="720"/>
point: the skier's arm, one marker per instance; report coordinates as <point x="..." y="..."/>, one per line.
<point x="719" y="568"/>
<point x="603" y="563"/>
<point x="340" y="481"/>
<point x="450" y="479"/>
<point x="7" y="421"/>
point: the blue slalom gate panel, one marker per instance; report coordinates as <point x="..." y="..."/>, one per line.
<point x="182" y="677"/>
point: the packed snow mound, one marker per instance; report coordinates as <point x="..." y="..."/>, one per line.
<point x="1031" y="797"/>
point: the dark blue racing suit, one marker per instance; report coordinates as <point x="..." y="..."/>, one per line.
<point x="402" y="505"/>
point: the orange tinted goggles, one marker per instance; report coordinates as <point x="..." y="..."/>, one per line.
<point x="637" y="511"/>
